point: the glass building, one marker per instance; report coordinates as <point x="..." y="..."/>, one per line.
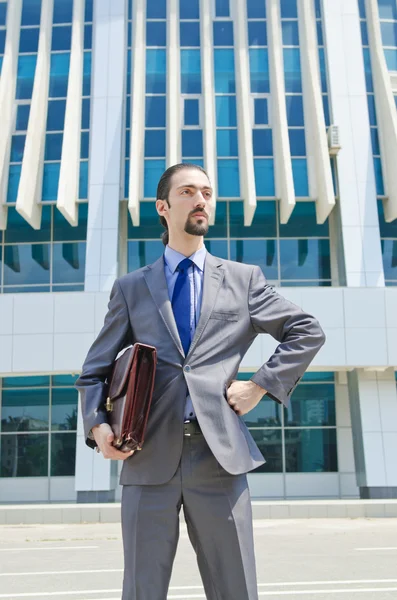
<point x="291" y="107"/>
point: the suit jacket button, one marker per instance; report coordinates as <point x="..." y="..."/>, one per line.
<point x="187" y="369"/>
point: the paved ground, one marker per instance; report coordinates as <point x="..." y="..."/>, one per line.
<point x="296" y="559"/>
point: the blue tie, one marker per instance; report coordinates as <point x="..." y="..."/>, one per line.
<point x="181" y="303"/>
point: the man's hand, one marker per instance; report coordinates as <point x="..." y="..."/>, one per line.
<point x="104" y="437"/>
<point x="243" y="396"/>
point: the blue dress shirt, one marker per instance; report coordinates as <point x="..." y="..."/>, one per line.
<point x="172" y="258"/>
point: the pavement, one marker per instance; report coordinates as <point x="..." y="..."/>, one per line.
<point x="299" y="559"/>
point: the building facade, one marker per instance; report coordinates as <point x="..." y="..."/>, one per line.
<point x="290" y="105"/>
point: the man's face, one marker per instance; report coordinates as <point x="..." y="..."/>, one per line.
<point x="190" y="200"/>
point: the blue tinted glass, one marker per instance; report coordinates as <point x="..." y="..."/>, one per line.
<point x="371" y="109"/>
<point x="389" y="255"/>
<point x="25" y="409"/>
<point x="326" y="110"/>
<point x="89" y="10"/>
<point x="17" y="148"/>
<point x="87" y="74"/>
<point x="323" y="71"/>
<point x="361" y="8"/>
<point x="227" y="142"/>
<point x="190" y="72"/>
<point x="85" y="114"/>
<point x="153" y="171"/>
<point x="59" y="73"/>
<point x="228" y="178"/>
<point x="1" y="63"/>
<point x="294" y="110"/>
<point x="299" y="171"/>
<point x="387" y="230"/>
<point x="64" y="232"/>
<point x="190" y="33"/>
<point x="31" y="12"/>
<point x="50" y="181"/>
<point x="3" y="13"/>
<point x="189" y="9"/>
<point x="303" y="223"/>
<point x="387" y="9"/>
<point x="320" y="39"/>
<point x="156" y="9"/>
<point x="192" y="142"/>
<point x="289" y="9"/>
<point x="19" y="230"/>
<point x="297" y="142"/>
<point x="155" y="111"/>
<point x="150" y="226"/>
<point x="26" y="70"/>
<point x="259" y="68"/>
<point x="155" y="71"/>
<point x="222" y="8"/>
<point x="29" y="40"/>
<point x="375" y="141"/>
<point x="292" y="70"/>
<point x="257" y="35"/>
<point x="2" y="40"/>
<point x="262" y="141"/>
<point x="88" y="37"/>
<point x="219" y="229"/>
<point x="223" y="33"/>
<point x="320" y="376"/>
<point x="216" y="247"/>
<point x="64" y="380"/>
<point x="380" y="190"/>
<point x="143" y="253"/>
<point x="305" y="259"/>
<point x="56" y="115"/>
<point x="14" y="176"/>
<point x="391" y="59"/>
<point x="256" y="9"/>
<point x="256" y="252"/>
<point x="61" y="37"/>
<point x="364" y="33"/>
<point x="368" y="70"/>
<point x="154" y="142"/>
<point x="26" y="264"/>
<point x="226" y="111"/>
<point x="156" y="33"/>
<point x="290" y="33"/>
<point x="83" y="180"/>
<point x="53" y="146"/>
<point x="63" y="11"/>
<point x="85" y="138"/>
<point x="225" y="81"/>
<point x="23" y="111"/>
<point x="264" y="222"/>
<point x="192" y="116"/>
<point x="261" y="112"/>
<point x="311" y="451"/>
<point x="68" y="262"/>
<point x="21" y="382"/>
<point x="264" y="177"/>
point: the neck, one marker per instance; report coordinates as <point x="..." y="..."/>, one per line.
<point x="186" y="244"/>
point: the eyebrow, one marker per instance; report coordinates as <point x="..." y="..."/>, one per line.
<point x="191" y="185"/>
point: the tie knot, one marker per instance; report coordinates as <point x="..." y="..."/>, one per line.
<point x="184" y="264"/>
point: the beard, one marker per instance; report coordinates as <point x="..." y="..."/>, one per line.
<point x="195" y="228"/>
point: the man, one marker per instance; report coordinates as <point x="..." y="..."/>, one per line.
<point x="201" y="313"/>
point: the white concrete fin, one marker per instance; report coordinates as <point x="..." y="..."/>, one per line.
<point x="8" y="82"/>
<point x="282" y="154"/>
<point x="386" y="113"/>
<point x="69" y="177"/>
<point x="30" y="186"/>
<point x="137" y="131"/>
<point x="173" y="150"/>
<point x="243" y="87"/>
<point x="318" y="160"/>
<point x="208" y="94"/>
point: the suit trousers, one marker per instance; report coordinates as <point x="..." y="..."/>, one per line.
<point x="218" y="514"/>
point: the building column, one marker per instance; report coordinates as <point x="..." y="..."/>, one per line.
<point x="348" y="104"/>
<point x="96" y="477"/>
<point x="373" y="407"/>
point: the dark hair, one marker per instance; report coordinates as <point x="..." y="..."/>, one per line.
<point x="164" y="186"/>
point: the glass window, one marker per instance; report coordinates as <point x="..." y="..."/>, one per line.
<point x="222" y="8"/>
<point x="256" y="9"/>
<point x="311" y="406"/>
<point x="68" y="262"/>
<point x="261" y="111"/>
<point x="192" y="143"/>
<point x="375" y="141"/>
<point x="320" y="37"/>
<point x="143" y="253"/>
<point x="262" y="141"/>
<point x="59" y="73"/>
<point x="223" y="33"/>
<point x="389" y="255"/>
<point x="391" y="59"/>
<point x="189" y="33"/>
<point x="292" y="70"/>
<point x="31" y="12"/>
<point x="154" y="142"/>
<point x="2" y="42"/>
<point x="3" y="13"/>
<point x="323" y="72"/>
<point x="14" y="175"/>
<point x="297" y="142"/>
<point x="379" y="177"/>
<point x="23" y="111"/>
<point x="217" y="247"/>
<point x="88" y="10"/>
<point x="190" y="72"/>
<point x="310" y="450"/>
<point x="50" y="181"/>
<point x="63" y="11"/>
<point x="87" y="37"/>
<point x="289" y="9"/>
<point x="305" y="259"/>
<point x="21" y="382"/>
<point x="156" y="33"/>
<point x="326" y="110"/>
<point x="61" y="37"/>
<point x="368" y="70"/>
<point x="25" y="76"/>
<point x="63" y="231"/>
<point x="56" y="115"/>
<point x="191" y="112"/>
<point x="371" y="109"/>
<point x="150" y="226"/>
<point x="83" y="181"/>
<point x="53" y="146"/>
<point x="226" y="111"/>
<point x="228" y="178"/>
<point x="85" y="116"/>
<point x="256" y="252"/>
<point x="257" y="34"/>
<point x="87" y="74"/>
<point x="26" y="264"/>
<point x="264" y="222"/>
<point x="225" y="82"/>
<point x="227" y="142"/>
<point x="24" y="455"/>
<point x="63" y="454"/>
<point x="301" y="182"/>
<point x="387" y="230"/>
<point x="294" y="110"/>
<point x="189" y="9"/>
<point x="364" y="33"/>
<point x="156" y="9"/>
<point x="29" y="40"/>
<point x="259" y="67"/>
<point x="387" y="9"/>
<point x="25" y="410"/>
<point x="19" y="230"/>
<point x="153" y="170"/>
<point x="155" y="111"/>
<point x="219" y="229"/>
<point x="290" y="33"/>
<point x="264" y="177"/>
<point x="84" y="145"/>
<point x="269" y="442"/>
<point x="266" y="414"/>
<point x="155" y="71"/>
<point x="303" y="223"/>
<point x="17" y="148"/>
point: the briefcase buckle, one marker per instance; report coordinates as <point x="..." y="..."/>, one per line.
<point x="109" y="405"/>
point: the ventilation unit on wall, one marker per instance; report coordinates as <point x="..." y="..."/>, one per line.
<point x="333" y="140"/>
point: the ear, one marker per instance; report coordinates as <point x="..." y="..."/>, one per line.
<point x="161" y="207"/>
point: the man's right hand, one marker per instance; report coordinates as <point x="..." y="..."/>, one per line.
<point x="104" y="437"/>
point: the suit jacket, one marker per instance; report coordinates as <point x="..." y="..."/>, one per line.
<point x="237" y="305"/>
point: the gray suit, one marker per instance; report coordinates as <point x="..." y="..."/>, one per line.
<point x="237" y="305"/>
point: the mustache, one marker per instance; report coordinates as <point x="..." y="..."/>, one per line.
<point x="201" y="212"/>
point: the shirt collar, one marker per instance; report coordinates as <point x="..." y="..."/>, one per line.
<point x="173" y="258"/>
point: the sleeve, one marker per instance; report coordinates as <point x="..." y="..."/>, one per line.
<point x="114" y="336"/>
<point x="299" y="333"/>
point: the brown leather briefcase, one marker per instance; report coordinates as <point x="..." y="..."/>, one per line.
<point x="130" y="389"/>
